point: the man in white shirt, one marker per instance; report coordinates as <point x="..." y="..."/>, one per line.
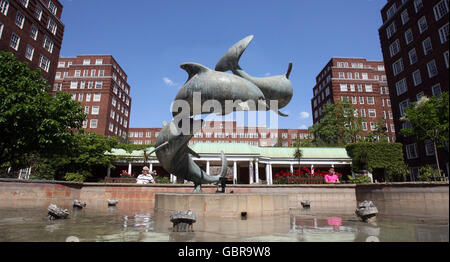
<point x="145" y="177"/>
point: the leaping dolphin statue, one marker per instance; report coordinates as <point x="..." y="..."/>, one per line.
<point x="274" y="88"/>
<point x="173" y="153"/>
<point x="217" y="86"/>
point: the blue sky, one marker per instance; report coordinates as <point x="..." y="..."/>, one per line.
<point x="150" y="39"/>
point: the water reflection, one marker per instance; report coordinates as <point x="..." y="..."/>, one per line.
<point x="118" y="225"/>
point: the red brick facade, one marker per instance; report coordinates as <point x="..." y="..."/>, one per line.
<point x="100" y="85"/>
<point x="32" y="30"/>
<point x="360" y="81"/>
<point x="228" y="132"/>
<point x="414" y="41"/>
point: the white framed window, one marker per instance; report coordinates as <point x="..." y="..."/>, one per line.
<point x="405" y="17"/>
<point x="412" y="56"/>
<point x="418" y="5"/>
<point x="365" y="76"/>
<point x="111" y="127"/>
<point x="99" y="61"/>
<point x="401" y="86"/>
<point x="48" y="44"/>
<point x="98" y="84"/>
<point x="15" y="41"/>
<point x="77" y="73"/>
<point x="419" y="96"/>
<point x="417" y="78"/>
<point x="388" y="102"/>
<point x="20" y="20"/>
<point x="52" y="26"/>
<point x="364" y="126"/>
<point x="74" y="97"/>
<point x="101" y="73"/>
<point x="432" y="69"/>
<point x="80" y="97"/>
<point x="427" y="47"/>
<point x="34" y="32"/>
<point x="95" y="110"/>
<point x="411" y="151"/>
<point x="85" y="123"/>
<point x="88" y="97"/>
<point x="436" y="89"/>
<point x="443" y="33"/>
<point x="398" y="66"/>
<point x="391" y="11"/>
<point x="391" y="116"/>
<point x="44" y="63"/>
<point x="73" y="85"/>
<point x="394" y="48"/>
<point x="66" y="74"/>
<point x="409" y="36"/>
<point x="392" y="128"/>
<point x="61" y="64"/>
<point x="341" y="75"/>
<point x="1" y="29"/>
<point x="114" y="102"/>
<point x="82" y="84"/>
<point x="58" y="75"/>
<point x="354" y="100"/>
<point x="52" y="7"/>
<point x="429" y="148"/>
<point x="85" y="72"/>
<point x="4" y="6"/>
<point x="372" y="113"/>
<point x="29" y="53"/>
<point x="24" y="3"/>
<point x="360" y="88"/>
<point x="422" y="23"/>
<point x="94" y="123"/>
<point x="356" y="75"/>
<point x="370" y="100"/>
<point x="352" y="88"/>
<point x="390" y="30"/>
<point x="93" y="71"/>
<point x="97" y="97"/>
<point x="373" y="126"/>
<point x="402" y="106"/>
<point x="440" y="9"/>
<point x="369" y="89"/>
<point x="38" y="12"/>
<point x="344" y="88"/>
<point x="361" y="100"/>
<point x="445" y="57"/>
<point x="90" y="84"/>
<point x="86" y="62"/>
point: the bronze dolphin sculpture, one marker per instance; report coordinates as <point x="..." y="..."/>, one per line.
<point x="274" y="88"/>
<point x="173" y="153"/>
<point x="217" y="86"/>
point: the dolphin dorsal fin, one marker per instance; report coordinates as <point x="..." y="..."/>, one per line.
<point x="193" y="69"/>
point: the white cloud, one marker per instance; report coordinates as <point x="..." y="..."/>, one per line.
<point x="304" y="115"/>
<point x="169" y="82"/>
<point x="303" y="127"/>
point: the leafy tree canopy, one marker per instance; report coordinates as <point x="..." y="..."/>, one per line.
<point x="32" y="122"/>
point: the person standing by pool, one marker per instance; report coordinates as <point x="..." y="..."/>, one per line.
<point x="145" y="177"/>
<point x="331" y="177"/>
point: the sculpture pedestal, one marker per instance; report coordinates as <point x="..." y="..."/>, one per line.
<point x="223" y="205"/>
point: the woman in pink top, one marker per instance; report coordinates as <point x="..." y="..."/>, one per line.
<point x="331" y="178"/>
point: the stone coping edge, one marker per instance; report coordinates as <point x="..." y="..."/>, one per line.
<point x="375" y="185"/>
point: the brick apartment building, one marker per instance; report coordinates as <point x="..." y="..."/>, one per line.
<point x="228" y="132"/>
<point x="414" y="41"/>
<point x="32" y="30"/>
<point x="363" y="84"/>
<point x="100" y="85"/>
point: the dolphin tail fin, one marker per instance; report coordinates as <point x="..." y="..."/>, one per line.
<point x="230" y="61"/>
<point x="289" y="70"/>
<point x="223" y="171"/>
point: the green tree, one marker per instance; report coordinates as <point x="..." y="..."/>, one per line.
<point x="89" y="150"/>
<point x="339" y="125"/>
<point x="298" y="153"/>
<point x="379" y="134"/>
<point x="428" y="120"/>
<point x="32" y="122"/>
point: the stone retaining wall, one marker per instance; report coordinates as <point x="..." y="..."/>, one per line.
<point x="391" y="198"/>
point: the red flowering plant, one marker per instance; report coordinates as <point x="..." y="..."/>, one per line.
<point x="300" y="176"/>
<point x="125" y="174"/>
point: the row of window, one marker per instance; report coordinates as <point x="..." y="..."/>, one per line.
<point x="394" y="48"/>
<point x="412" y="153"/>
<point x="119" y="119"/>
<point x="358" y="65"/>
<point x="436" y="91"/>
<point x="364" y="76"/>
<point x="97" y="97"/>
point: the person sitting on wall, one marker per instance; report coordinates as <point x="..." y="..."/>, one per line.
<point x="331" y="177"/>
<point x="145" y="177"/>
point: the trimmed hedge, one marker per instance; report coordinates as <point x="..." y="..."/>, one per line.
<point x="388" y="156"/>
